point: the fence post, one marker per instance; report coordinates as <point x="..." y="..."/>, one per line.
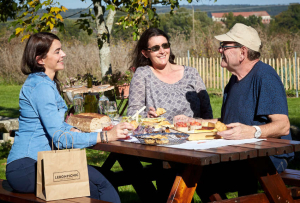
<point x="188" y="61"/>
<point x="296" y="73"/>
<point x="222" y="75"/>
<point x="290" y="71"/>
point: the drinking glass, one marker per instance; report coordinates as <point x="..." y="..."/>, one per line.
<point x="78" y="102"/>
<point x="103" y="105"/>
<point x="112" y="110"/>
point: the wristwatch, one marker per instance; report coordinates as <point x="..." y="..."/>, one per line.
<point x="257" y="134"/>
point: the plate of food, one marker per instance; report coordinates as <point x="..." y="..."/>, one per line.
<point x="162" y="138"/>
<point x="153" y="120"/>
<point x="206" y="130"/>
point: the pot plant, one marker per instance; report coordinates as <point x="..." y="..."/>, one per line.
<point x="121" y="81"/>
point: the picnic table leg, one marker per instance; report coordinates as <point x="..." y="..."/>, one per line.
<point x="270" y="180"/>
<point x="185" y="184"/>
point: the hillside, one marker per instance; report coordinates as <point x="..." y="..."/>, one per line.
<point x="271" y="9"/>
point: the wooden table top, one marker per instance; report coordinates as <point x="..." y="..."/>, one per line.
<point x="269" y="147"/>
<point x="84" y="89"/>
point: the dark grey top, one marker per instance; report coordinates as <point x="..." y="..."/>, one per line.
<point x="188" y="96"/>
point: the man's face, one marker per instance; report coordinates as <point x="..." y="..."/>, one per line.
<point x="230" y="55"/>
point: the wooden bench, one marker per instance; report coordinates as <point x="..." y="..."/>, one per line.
<point x="291" y="177"/>
<point x="7" y="195"/>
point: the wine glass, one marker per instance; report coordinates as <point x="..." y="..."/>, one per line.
<point x="112" y="110"/>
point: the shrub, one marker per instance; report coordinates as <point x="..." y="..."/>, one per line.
<point x="5" y="148"/>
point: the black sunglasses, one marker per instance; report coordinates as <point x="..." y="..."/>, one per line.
<point x="157" y="47"/>
<point x="224" y="47"/>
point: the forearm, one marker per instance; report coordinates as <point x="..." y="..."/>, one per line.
<point x="279" y="126"/>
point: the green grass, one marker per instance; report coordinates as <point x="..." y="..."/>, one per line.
<point x="9" y="100"/>
<point x="9" y="106"/>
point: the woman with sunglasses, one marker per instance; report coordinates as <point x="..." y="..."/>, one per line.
<point x="160" y="83"/>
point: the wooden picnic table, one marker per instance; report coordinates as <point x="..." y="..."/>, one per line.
<point x="191" y="163"/>
<point x="83" y="89"/>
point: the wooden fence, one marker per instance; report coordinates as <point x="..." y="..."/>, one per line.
<point x="214" y="76"/>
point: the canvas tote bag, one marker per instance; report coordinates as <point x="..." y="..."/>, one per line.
<point x="62" y="174"/>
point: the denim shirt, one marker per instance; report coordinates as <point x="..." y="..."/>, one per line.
<point x="42" y="111"/>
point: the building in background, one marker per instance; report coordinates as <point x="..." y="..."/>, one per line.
<point x="266" y="18"/>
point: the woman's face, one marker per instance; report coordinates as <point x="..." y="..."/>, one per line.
<point x="54" y="59"/>
<point x="158" y="58"/>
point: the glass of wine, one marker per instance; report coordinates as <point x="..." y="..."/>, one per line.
<point x="112" y="110"/>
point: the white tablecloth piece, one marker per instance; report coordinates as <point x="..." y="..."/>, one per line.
<point x="203" y="144"/>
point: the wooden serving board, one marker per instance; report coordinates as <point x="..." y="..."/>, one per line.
<point x="199" y="135"/>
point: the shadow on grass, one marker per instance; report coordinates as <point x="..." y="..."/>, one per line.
<point x="9" y="112"/>
<point x="129" y="197"/>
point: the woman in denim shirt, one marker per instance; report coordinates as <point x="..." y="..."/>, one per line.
<point x="42" y="111"/>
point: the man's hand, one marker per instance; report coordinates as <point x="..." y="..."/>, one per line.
<point x="238" y="131"/>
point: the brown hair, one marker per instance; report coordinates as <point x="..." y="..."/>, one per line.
<point x="38" y="45"/>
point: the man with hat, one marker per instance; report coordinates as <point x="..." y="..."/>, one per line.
<point x="254" y="102"/>
<point x="254" y="106"/>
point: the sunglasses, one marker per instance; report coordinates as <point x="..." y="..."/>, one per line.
<point x="224" y="47"/>
<point x="157" y="47"/>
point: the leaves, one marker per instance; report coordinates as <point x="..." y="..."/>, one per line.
<point x="110" y="7"/>
<point x="28" y="22"/>
<point x="19" y="30"/>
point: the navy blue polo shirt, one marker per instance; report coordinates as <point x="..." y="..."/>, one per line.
<point x="259" y="94"/>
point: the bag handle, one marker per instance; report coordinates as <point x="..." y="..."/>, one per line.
<point x="66" y="139"/>
<point x="63" y="133"/>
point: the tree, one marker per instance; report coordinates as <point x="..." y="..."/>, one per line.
<point x="252" y="20"/>
<point x="140" y="14"/>
<point x="289" y="19"/>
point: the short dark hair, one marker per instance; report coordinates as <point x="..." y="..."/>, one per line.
<point x="252" y="55"/>
<point x="138" y="58"/>
<point x="38" y="45"/>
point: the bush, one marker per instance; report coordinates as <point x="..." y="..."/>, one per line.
<point x="5" y="148"/>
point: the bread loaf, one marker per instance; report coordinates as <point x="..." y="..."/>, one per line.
<point x="95" y="115"/>
<point x="89" y="123"/>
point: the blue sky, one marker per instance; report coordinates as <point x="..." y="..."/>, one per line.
<point x="79" y="4"/>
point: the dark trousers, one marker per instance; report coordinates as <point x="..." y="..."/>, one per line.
<point x="21" y="175"/>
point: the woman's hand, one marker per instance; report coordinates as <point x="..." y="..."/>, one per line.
<point x="151" y="113"/>
<point x="75" y="130"/>
<point x="119" y="131"/>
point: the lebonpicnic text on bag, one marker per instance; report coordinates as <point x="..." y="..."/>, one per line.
<point x="62" y="174"/>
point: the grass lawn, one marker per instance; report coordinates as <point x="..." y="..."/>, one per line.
<point x="9" y="106"/>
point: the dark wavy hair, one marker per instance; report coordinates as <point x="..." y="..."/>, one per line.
<point x="138" y="59"/>
<point x="38" y="45"/>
